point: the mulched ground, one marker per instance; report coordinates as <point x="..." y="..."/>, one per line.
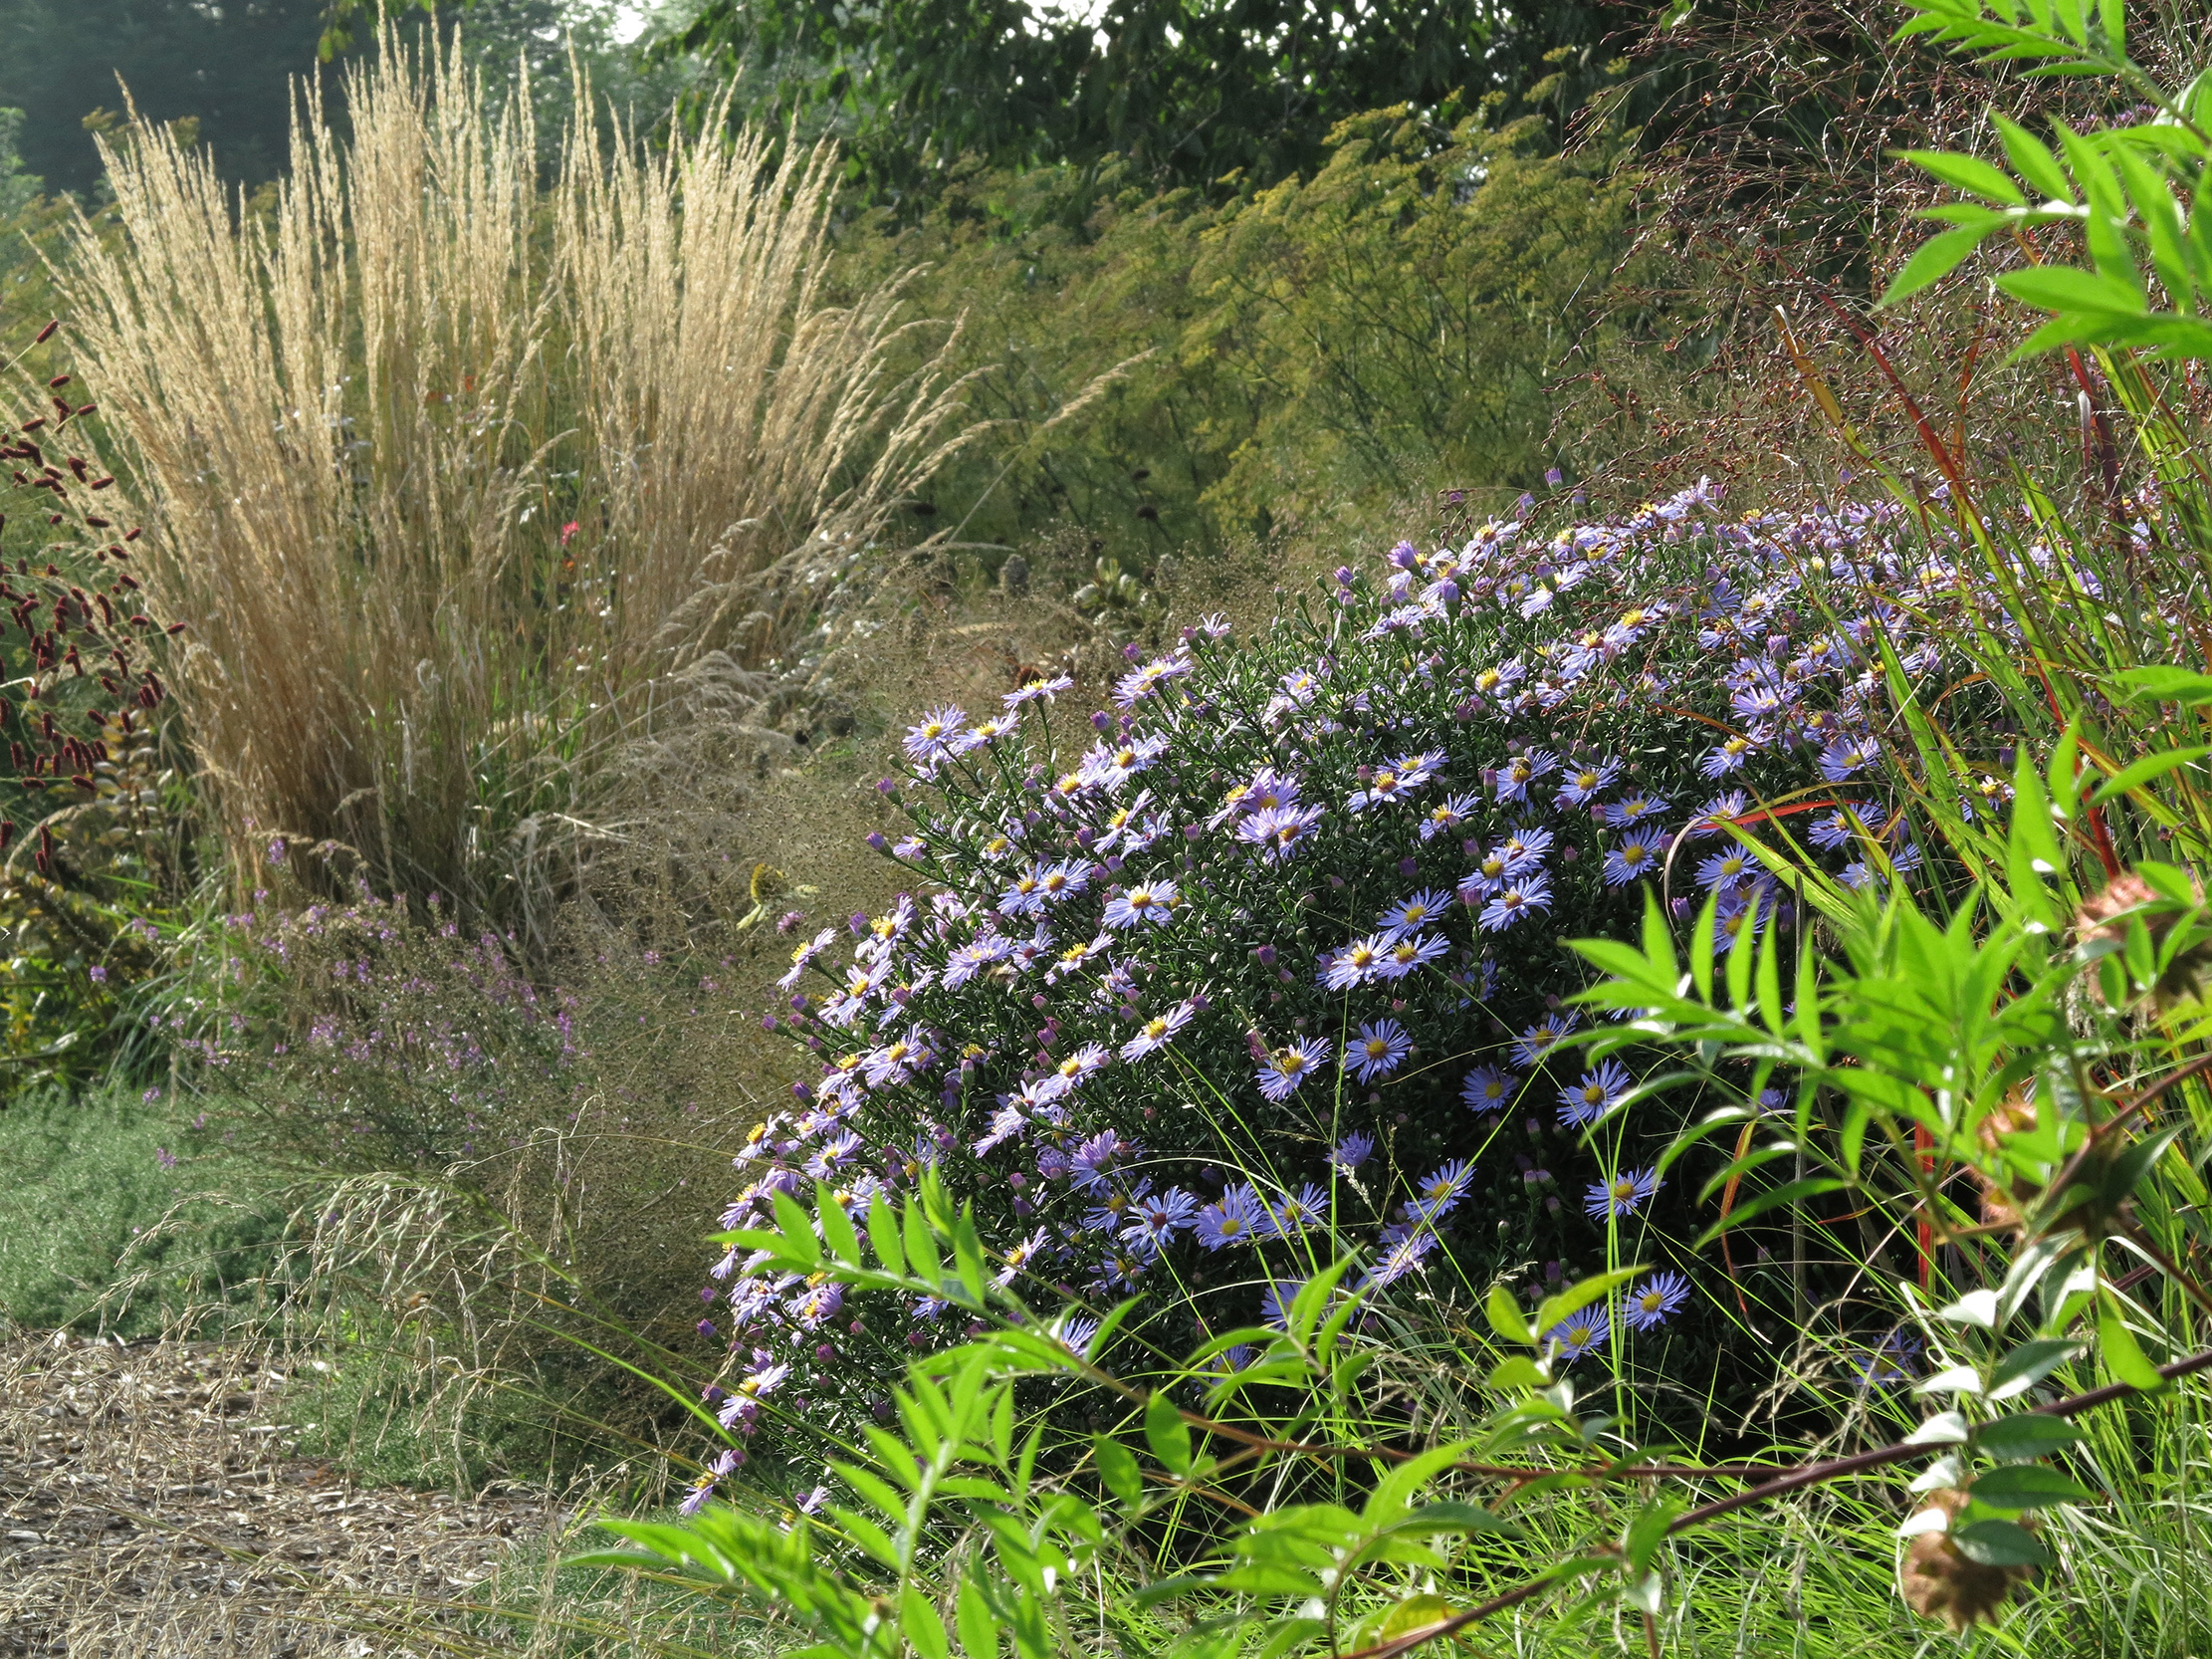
<point x="150" y="1506"/>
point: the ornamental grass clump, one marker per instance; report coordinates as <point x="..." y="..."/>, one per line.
<point x="1267" y="961"/>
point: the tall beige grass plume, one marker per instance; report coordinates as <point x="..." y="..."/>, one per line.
<point x="444" y="469"/>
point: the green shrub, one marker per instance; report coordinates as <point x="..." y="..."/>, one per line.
<point x="1309" y="355"/>
<point x="120" y="1212"/>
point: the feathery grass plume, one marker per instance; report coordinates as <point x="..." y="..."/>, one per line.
<point x="447" y="469"/>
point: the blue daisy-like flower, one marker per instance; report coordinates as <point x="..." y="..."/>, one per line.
<point x="1594" y="1094"/>
<point x="1623" y="1195"/>
<point x="1488" y="1088"/>
<point x="1235" y="1218"/>
<point x="1378" y="1051"/>
<point x="1652" y="1299"/>
<point x="1579" y="1333"/>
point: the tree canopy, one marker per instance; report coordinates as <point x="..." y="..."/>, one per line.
<point x="1188" y="91"/>
<point x="225" y="64"/>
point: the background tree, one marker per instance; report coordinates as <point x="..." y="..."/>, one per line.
<point x="1187" y="91"/>
<point x="224" y="65"/>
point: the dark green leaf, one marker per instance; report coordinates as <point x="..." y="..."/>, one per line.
<point x="2024" y="1438"/>
<point x="978" y="1625"/>
<point x="2028" y="1364"/>
<point x="1168" y="1434"/>
<point x="2000" y="1544"/>
<point x="2028" y="1486"/>
<point x="1118" y="1469"/>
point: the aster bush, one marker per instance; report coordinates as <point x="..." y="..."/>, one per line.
<point x="1267" y="963"/>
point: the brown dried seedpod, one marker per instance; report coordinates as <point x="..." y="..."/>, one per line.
<point x="2104" y="919"/>
<point x="1937" y="1580"/>
<point x="2007" y="1195"/>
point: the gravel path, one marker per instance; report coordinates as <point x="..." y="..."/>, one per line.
<point x="152" y="1505"/>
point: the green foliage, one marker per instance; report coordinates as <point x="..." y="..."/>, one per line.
<point x="18" y="189"/>
<point x="1185" y="93"/>
<point x="107" y="1215"/>
<point x="2136" y="192"/>
<point x="1279" y="1499"/>
<point x="223" y="66"/>
<point x="1304" y="355"/>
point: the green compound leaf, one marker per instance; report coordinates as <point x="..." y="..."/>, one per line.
<point x="2000" y="1544"/>
<point x="2029" y="1485"/>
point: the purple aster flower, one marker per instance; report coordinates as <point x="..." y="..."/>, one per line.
<point x="812" y="1306"/>
<point x="1115" y="1207"/>
<point x="1035" y="689"/>
<point x="1286" y="1070"/>
<point x="1896" y="1360"/>
<point x="1064" y="879"/>
<point x="1731" y="805"/>
<point x="1488" y="1088"/>
<point x="1630" y="811"/>
<point x="1076" y="1332"/>
<point x="1021" y="1257"/>
<point x="1448" y="816"/>
<point x="1484" y="881"/>
<point x="1025" y="894"/>
<point x="1624" y="1195"/>
<point x="805" y="954"/>
<point x="1134" y="687"/>
<point x="1109" y="766"/>
<point x="1276" y="1301"/>
<point x="1584" y="780"/>
<point x="1083" y="1064"/>
<point x="1232" y="1218"/>
<point x="1143" y="901"/>
<point x="1073" y="959"/>
<point x="1124" y="1267"/>
<point x="1440" y="1190"/>
<point x="1396" y="781"/>
<point x="1726" y="867"/>
<point x="1280" y="831"/>
<point x="1378" y="1051"/>
<point x="1522" y="771"/>
<point x="1121" y="823"/>
<point x="1845" y="755"/>
<point x="1094" y="1159"/>
<point x="1523" y="852"/>
<point x="1834" y="832"/>
<point x="1411" y="915"/>
<point x="1578" y="1334"/>
<point x="1539" y="1040"/>
<point x="1008" y="1122"/>
<point x="1154" y="1220"/>
<point x="695" y="1499"/>
<point x="1651" y="1298"/>
<point x="1410" y="954"/>
<point x="1635" y="857"/>
<point x="1514" y="901"/>
<point x="1270" y="790"/>
<point x="1355" y="964"/>
<point x="1351" y="1151"/>
<point x="1401" y="1256"/>
<point x="1597" y="1094"/>
<point x="1293" y="1212"/>
<point x="974" y="957"/>
<point x="895" y="1062"/>
<point x="934" y="739"/>
<point x="833" y="1157"/>
<point x="1723" y="759"/>
<point x="1158" y="1031"/>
